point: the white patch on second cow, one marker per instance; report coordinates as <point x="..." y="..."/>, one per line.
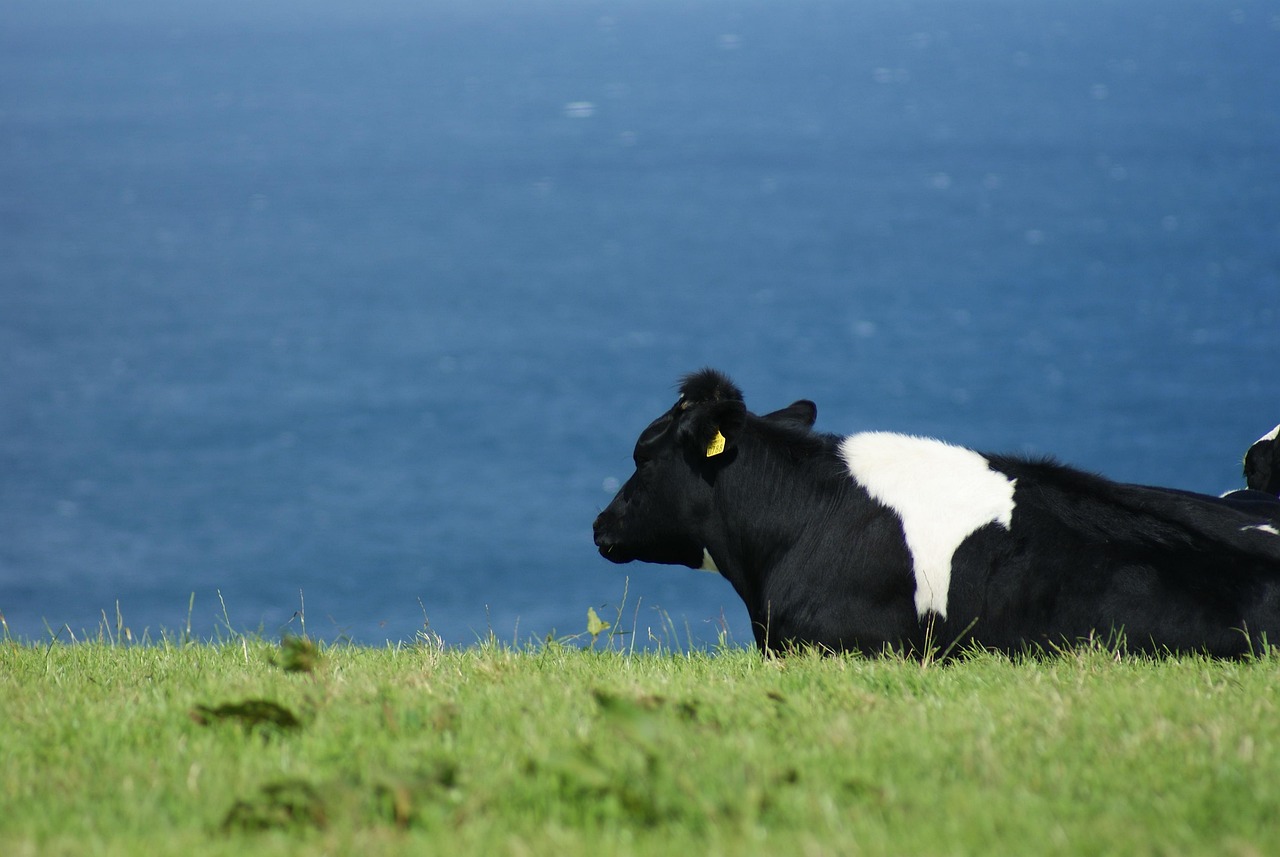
<point x="941" y="494"/>
<point x="1274" y="434"/>
<point x="1262" y="528"/>
<point x="708" y="564"/>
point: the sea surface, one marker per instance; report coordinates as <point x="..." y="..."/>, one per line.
<point x="344" y="317"/>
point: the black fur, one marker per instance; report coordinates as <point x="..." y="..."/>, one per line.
<point x="707" y="386"/>
<point x="1262" y="466"/>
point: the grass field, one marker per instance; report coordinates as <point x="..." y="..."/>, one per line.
<point x="244" y="746"/>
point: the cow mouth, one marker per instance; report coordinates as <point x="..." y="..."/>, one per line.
<point x="609" y="542"/>
<point x="616" y="549"/>
<point x="670" y="555"/>
<point x="615" y="553"/>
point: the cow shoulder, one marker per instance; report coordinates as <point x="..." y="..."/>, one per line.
<point x="940" y="493"/>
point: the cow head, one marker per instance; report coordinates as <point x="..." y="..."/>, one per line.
<point x="661" y="513"/>
<point x="655" y="517"/>
<point x="1262" y="463"/>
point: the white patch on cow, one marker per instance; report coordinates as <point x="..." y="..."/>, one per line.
<point x="1262" y="528"/>
<point x="708" y="564"/>
<point x="1274" y="434"/>
<point x="941" y="494"/>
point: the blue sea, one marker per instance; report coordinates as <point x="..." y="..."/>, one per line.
<point x="349" y="314"/>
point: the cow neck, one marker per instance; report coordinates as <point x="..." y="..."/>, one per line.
<point x="763" y="504"/>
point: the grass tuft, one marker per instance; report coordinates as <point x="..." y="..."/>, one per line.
<point x="283" y="805"/>
<point x="299" y="655"/>
<point x="262" y="715"/>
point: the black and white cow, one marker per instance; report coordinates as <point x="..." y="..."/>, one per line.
<point x="1262" y="464"/>
<point x="1262" y="476"/>
<point x="881" y="541"/>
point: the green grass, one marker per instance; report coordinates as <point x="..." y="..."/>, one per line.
<point x="245" y="747"/>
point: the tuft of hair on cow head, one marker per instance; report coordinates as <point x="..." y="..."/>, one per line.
<point x="705" y="386"/>
<point x="711" y="412"/>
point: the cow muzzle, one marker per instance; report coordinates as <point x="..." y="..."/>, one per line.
<point x="607" y="543"/>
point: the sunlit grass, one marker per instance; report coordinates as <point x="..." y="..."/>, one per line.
<point x="583" y="746"/>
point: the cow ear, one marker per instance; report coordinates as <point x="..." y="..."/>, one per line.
<point x="804" y="412"/>
<point x="713" y="429"/>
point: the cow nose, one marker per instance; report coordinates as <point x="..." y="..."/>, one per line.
<point x="604" y="539"/>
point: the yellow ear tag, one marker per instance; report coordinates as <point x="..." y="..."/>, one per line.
<point x="716" y="446"/>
